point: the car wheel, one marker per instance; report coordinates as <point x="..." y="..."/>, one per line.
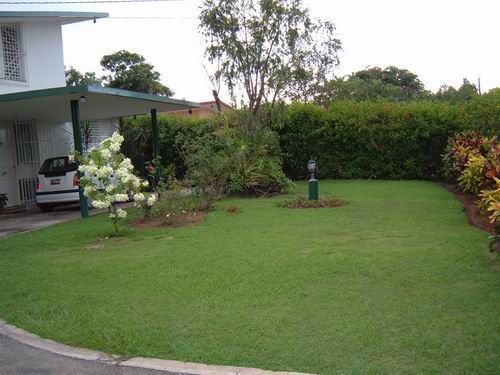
<point x="46" y="208"/>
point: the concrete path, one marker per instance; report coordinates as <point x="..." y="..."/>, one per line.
<point x="21" y="359"/>
<point x="33" y="218"/>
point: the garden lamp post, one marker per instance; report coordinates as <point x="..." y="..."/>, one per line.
<point x="313" y="183"/>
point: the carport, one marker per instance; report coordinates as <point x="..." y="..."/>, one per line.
<point x="78" y="103"/>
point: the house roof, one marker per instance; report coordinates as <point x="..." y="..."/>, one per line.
<point x="62" y="17"/>
<point x="53" y="104"/>
<point x="214" y="102"/>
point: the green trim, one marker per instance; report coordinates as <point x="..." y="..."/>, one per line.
<point x="77" y="137"/>
<point x="42" y="14"/>
<point x="82" y="90"/>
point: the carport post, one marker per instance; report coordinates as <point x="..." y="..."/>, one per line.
<point x="77" y="136"/>
<point x="156" y="145"/>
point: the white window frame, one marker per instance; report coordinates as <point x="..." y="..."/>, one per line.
<point x="22" y="52"/>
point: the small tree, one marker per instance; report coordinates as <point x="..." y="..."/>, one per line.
<point x="108" y="179"/>
<point x="267" y="49"/>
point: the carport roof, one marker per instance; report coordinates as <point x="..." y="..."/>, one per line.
<point x="53" y="105"/>
<point x="63" y="18"/>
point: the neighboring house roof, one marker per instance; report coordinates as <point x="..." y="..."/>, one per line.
<point x="63" y="17"/>
<point x="206" y="109"/>
<point x="100" y="102"/>
<point x="211" y="103"/>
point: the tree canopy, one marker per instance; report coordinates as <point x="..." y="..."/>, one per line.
<point x="465" y="92"/>
<point x="75" y="78"/>
<point x="130" y="71"/>
<point x="268" y="49"/>
<point x="391" y="83"/>
<point x="125" y="70"/>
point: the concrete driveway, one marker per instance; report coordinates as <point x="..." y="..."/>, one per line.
<point x="33" y="218"/>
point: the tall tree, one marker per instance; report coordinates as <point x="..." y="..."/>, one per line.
<point x="130" y="71"/>
<point x="75" y="78"/>
<point x="265" y="50"/>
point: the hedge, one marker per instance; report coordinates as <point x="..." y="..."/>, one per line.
<point x="383" y="140"/>
<point x="138" y="144"/>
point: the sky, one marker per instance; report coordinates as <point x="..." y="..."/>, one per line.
<point x="443" y="41"/>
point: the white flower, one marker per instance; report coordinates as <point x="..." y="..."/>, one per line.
<point x="151" y="200"/>
<point x="120" y="197"/>
<point x="110" y="188"/>
<point x="135" y="181"/>
<point x="104" y="172"/>
<point x="106" y="154"/>
<point x="71" y="157"/>
<point x="88" y="190"/>
<point x="101" y="204"/>
<point x="127" y="165"/>
<point x="121" y="214"/>
<point x="139" y="197"/>
<point x="115" y="141"/>
<point x="145" y="184"/>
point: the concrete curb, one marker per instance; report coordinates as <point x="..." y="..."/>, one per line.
<point x="33" y="340"/>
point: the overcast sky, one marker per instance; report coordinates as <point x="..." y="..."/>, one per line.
<point x="442" y="41"/>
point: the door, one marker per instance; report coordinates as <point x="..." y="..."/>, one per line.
<point x="8" y="176"/>
<point x="27" y="160"/>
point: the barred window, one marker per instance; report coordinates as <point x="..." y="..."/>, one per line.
<point x="11" y="54"/>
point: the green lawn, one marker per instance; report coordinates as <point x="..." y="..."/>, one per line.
<point x="396" y="281"/>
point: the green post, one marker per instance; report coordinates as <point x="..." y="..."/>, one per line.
<point x="313" y="189"/>
<point x="77" y="137"/>
<point x="156" y="145"/>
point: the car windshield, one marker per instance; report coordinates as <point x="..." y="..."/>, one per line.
<point x="58" y="165"/>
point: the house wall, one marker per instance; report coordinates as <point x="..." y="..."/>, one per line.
<point x="100" y="130"/>
<point x="194" y="114"/>
<point x="44" y="61"/>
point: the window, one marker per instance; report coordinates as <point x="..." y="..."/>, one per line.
<point x="11" y="54"/>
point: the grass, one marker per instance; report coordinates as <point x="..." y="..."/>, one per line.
<point x="395" y="281"/>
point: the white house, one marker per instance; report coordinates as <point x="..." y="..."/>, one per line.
<point x="36" y="118"/>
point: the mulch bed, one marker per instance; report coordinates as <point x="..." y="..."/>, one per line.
<point x="474" y="215"/>
<point x="174" y="220"/>
<point x="303" y="202"/>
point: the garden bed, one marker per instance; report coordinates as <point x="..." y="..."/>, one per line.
<point x="475" y="216"/>
<point x="173" y="220"/>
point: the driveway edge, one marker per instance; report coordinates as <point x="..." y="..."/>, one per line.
<point x="35" y="341"/>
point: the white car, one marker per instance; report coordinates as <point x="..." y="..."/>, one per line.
<point x="57" y="183"/>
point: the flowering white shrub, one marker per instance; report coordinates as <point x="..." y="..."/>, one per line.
<point x="107" y="179"/>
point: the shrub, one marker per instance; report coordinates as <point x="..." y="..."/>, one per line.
<point x="491" y="201"/>
<point x="210" y="160"/>
<point x="368" y="139"/>
<point x="138" y="143"/>
<point x="472" y="159"/>
<point x="107" y="179"/>
<point x="476" y="161"/>
<point x="458" y="150"/>
<point x="174" y="197"/>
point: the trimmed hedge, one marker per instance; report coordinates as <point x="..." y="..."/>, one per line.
<point x="383" y="140"/>
<point x="138" y="144"/>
